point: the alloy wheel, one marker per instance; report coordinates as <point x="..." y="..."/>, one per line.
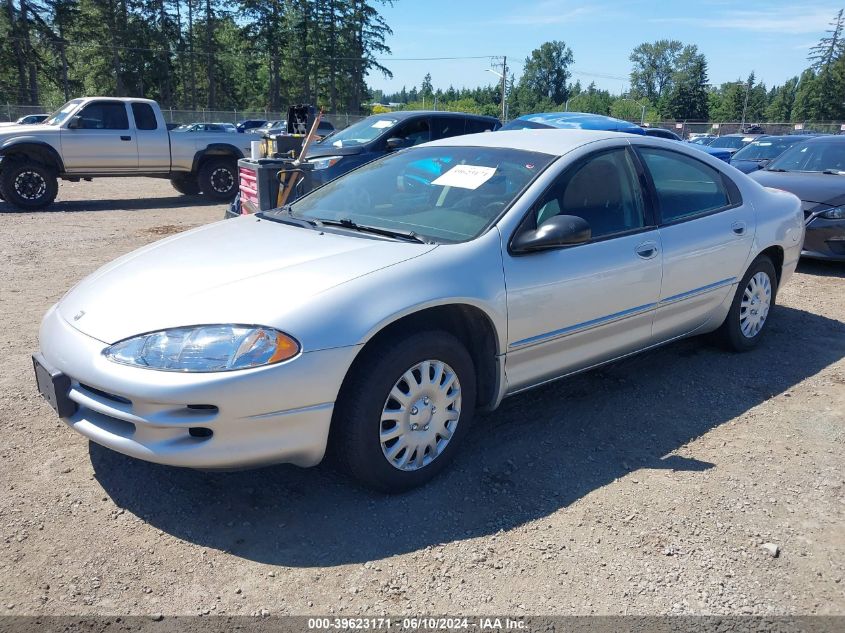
<point x="30" y="185"/>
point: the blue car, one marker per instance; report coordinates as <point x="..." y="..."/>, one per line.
<point x="757" y="154"/>
<point x="587" y="121"/>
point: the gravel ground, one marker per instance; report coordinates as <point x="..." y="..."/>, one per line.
<point x="648" y="487"/>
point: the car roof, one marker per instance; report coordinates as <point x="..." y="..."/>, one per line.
<point x="407" y="114"/>
<point x="833" y="138"/>
<point x="554" y="142"/>
<point x="581" y="120"/>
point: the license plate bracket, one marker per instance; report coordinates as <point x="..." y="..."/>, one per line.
<point x="54" y="386"/>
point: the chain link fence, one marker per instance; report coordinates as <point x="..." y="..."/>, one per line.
<point x="11" y="112"/>
<point x="684" y="128"/>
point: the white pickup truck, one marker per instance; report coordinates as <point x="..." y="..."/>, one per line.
<point x="96" y="137"/>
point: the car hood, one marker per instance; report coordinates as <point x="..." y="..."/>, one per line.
<point x="17" y="130"/>
<point x="246" y="271"/>
<point x="315" y="150"/>
<point x="808" y="186"/>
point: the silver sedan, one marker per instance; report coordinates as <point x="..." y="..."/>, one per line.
<point x="378" y="313"/>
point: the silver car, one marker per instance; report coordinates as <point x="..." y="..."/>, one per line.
<point x="378" y="313"/>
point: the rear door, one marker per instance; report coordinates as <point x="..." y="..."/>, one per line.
<point x="104" y="142"/>
<point x="153" y="139"/>
<point x="446" y="126"/>
<point x="706" y="231"/>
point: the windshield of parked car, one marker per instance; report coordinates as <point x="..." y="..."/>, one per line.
<point x="703" y="140"/>
<point x="63" y="112"/>
<point x="361" y="132"/>
<point x="824" y="156"/>
<point x="729" y="142"/>
<point x="441" y="194"/>
<point x="524" y="124"/>
<point x="766" y="149"/>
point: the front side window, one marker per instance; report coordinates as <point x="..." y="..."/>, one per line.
<point x="104" y="115"/>
<point x="685" y="187"/>
<point x="414" y="132"/>
<point x="603" y="190"/>
<point x="145" y="118"/>
<point x="444" y="194"/>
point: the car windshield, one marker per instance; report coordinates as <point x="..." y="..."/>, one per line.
<point x="361" y="132"/>
<point x="441" y="194"/>
<point x="702" y="140"/>
<point x="729" y="142"/>
<point x="766" y="149"/>
<point x="63" y="112"/>
<point x="824" y="156"/>
<point x="524" y="124"/>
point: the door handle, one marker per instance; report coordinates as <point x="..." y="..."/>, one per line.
<point x="125" y="138"/>
<point x="646" y="250"/>
<point x="738" y="228"/>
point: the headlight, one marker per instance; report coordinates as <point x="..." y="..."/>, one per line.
<point x="325" y="162"/>
<point x="837" y="213"/>
<point x="205" y="348"/>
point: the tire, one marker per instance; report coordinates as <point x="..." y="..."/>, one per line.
<point x="368" y="392"/>
<point x="218" y="179"/>
<point x="743" y="327"/>
<point x="28" y="185"/>
<point x="186" y="184"/>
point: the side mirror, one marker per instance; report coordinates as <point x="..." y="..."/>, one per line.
<point x="75" y="123"/>
<point x="395" y="142"/>
<point x="557" y="231"/>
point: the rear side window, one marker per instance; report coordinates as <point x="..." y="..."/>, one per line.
<point x="685" y="186"/>
<point x="104" y="115"/>
<point x="475" y="126"/>
<point x="446" y="126"/>
<point x="145" y="118"/>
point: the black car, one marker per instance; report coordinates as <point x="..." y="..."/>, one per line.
<point x="760" y="153"/>
<point x="245" y="126"/>
<point x="815" y="172"/>
<point x="380" y="134"/>
<point x="659" y="132"/>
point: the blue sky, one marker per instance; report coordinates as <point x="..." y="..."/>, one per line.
<point x="770" y="37"/>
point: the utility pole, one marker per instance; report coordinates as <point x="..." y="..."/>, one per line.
<point x="745" y="107"/>
<point x="503" y="76"/>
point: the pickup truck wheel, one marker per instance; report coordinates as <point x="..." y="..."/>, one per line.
<point x="186" y="184"/>
<point x="403" y="411"/>
<point x="218" y="179"/>
<point x="28" y="186"/>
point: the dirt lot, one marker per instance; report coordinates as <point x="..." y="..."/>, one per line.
<point x="647" y="487"/>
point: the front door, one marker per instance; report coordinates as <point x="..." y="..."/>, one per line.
<point x="104" y="142"/>
<point x="574" y="307"/>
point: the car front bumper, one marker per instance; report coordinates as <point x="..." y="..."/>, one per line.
<point x="824" y="239"/>
<point x="222" y="420"/>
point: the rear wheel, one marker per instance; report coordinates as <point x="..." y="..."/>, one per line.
<point x="218" y="179"/>
<point x="404" y="411"/>
<point x="751" y="307"/>
<point x="186" y="184"/>
<point x="28" y="185"/>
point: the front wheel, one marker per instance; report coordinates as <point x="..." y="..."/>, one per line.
<point x="28" y="186"/>
<point x="751" y="307"/>
<point x="404" y="410"/>
<point x="218" y="179"/>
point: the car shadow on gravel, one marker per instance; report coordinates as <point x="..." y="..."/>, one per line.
<point x="822" y="268"/>
<point x="539" y="452"/>
<point x="120" y="204"/>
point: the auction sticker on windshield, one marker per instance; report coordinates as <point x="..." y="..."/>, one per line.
<point x="465" y="176"/>
<point x="383" y="123"/>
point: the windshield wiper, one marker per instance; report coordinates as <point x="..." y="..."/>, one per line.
<point x="408" y="236"/>
<point x="835" y="172"/>
<point x="775" y="169"/>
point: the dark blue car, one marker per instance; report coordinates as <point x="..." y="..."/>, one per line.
<point x="757" y="154"/>
<point x="380" y="134"/>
